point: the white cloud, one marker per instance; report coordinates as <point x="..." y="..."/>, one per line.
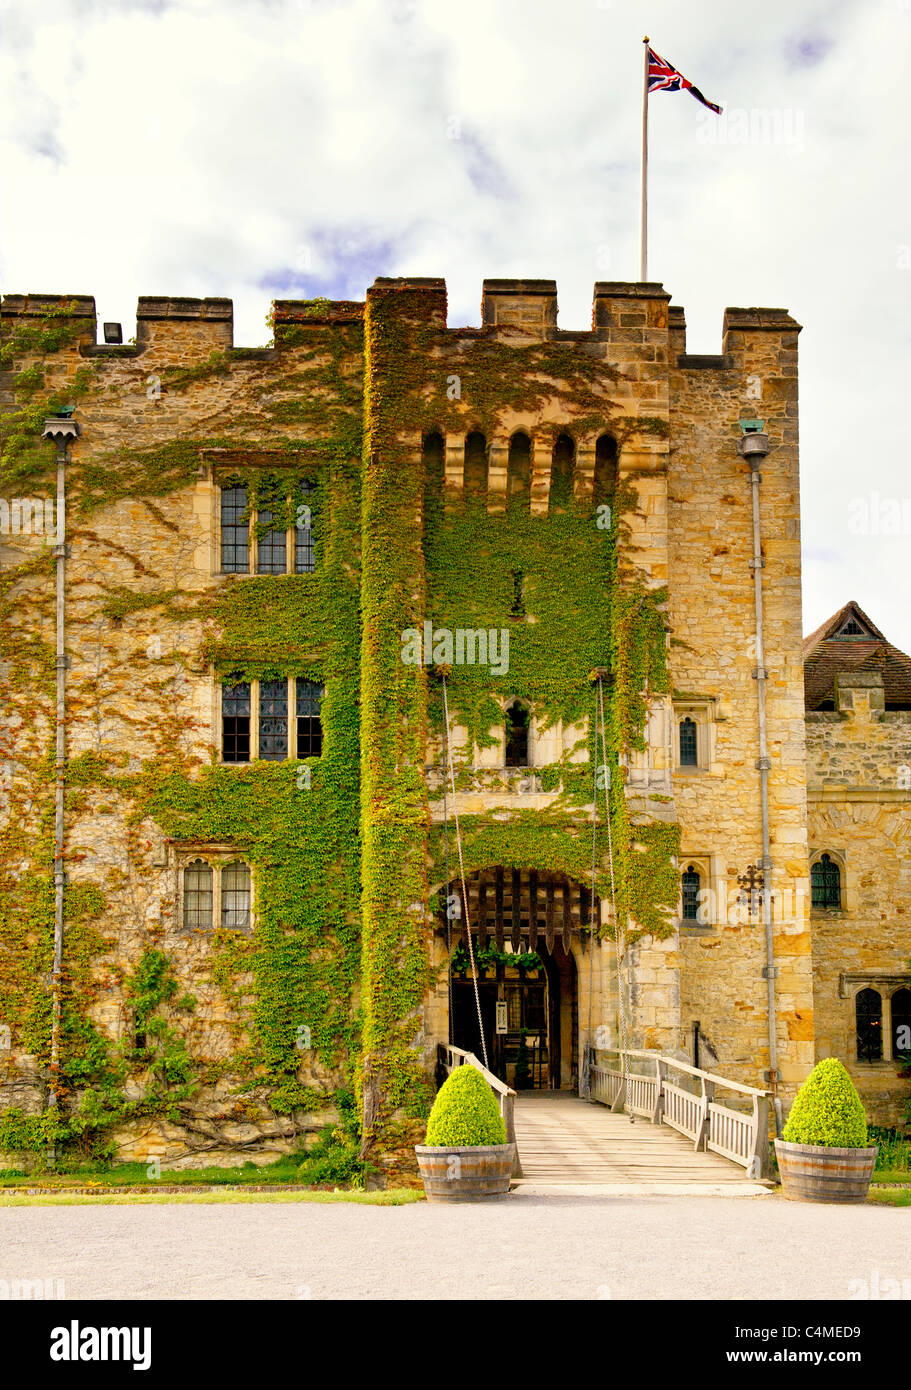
<point x="299" y="147"/>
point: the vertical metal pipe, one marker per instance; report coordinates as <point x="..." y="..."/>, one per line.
<point x="60" y="773"/>
<point x="61" y="429"/>
<point x="764" y="764"/>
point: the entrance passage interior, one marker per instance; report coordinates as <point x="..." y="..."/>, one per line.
<point x="522" y="928"/>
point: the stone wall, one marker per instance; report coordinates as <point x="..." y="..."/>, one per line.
<point x="713" y="660"/>
<point x="859" y="794"/>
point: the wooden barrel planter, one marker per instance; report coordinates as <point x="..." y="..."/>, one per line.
<point x="470" y="1174"/>
<point x="811" y="1173"/>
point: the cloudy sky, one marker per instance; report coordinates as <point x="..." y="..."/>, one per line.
<point x="293" y="148"/>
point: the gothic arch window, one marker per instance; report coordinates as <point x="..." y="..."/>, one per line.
<point x="901" y="1023"/>
<point x="689" y="743"/>
<point x="197" y="894"/>
<point x="690" y="886"/>
<point x="235" y="896"/>
<point x="825" y="883"/>
<point x="235" y="529"/>
<point x="868" y="1008"/>
<point x="517" y="729"/>
<point x="476" y="466"/>
<point x="519" y="469"/>
<point x="561" y="473"/>
<point x="605" y="469"/>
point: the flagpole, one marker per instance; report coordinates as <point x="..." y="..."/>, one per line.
<point x="643" y="211"/>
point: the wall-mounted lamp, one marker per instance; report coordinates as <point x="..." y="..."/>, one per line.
<point x="113" y="333"/>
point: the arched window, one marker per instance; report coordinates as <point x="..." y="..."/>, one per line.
<point x="235" y="529"/>
<point x="517" y="724"/>
<point x="690" y="885"/>
<point x="561" y="474"/>
<point x="519" y="469"/>
<point x="309" y="726"/>
<point x="605" y="469"/>
<point x="271" y="552"/>
<point x="901" y="1023"/>
<point x="197" y="894"/>
<point x="304" y="557"/>
<point x="235" y="722"/>
<point x="869" y="1013"/>
<point x="235" y="896"/>
<point x="476" y="466"/>
<point x="689" y="745"/>
<point x="825" y="883"/>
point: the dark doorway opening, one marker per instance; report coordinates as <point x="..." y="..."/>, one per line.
<point x="532" y="1039"/>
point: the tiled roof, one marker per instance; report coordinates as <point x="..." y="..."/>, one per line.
<point x="825" y="655"/>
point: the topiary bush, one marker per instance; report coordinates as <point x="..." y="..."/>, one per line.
<point x="465" y="1113"/>
<point x="827" y="1110"/>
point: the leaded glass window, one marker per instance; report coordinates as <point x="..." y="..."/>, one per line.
<point x="235" y="896"/>
<point x="197" y="894"/>
<point x="689" y="746"/>
<point x="273" y="720"/>
<point x="825" y="883"/>
<point x="235" y="722"/>
<point x="235" y="530"/>
<point x="309" y="725"/>
<point x="304" y="558"/>
<point x="691" y="882"/>
<point x="901" y="1023"/>
<point x="869" y="1014"/>
<point x="271" y="554"/>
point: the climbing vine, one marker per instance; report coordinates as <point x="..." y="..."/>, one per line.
<point x="327" y="989"/>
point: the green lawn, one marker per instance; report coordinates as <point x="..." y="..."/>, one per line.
<point x="394" y="1197"/>
<point x="890" y="1196"/>
<point x="285" y="1170"/>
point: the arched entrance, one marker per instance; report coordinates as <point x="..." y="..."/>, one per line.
<point x="525" y="927"/>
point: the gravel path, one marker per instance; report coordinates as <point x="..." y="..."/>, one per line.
<point x="525" y="1247"/>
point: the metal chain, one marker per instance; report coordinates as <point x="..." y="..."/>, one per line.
<point x="455" y="812"/>
<point x="619" y="934"/>
<point x="448" y="918"/>
<point x="588" y="1060"/>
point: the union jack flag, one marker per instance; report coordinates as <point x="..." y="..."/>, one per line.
<point x="664" y="78"/>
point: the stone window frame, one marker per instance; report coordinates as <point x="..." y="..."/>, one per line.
<point x="701" y="710"/>
<point x="837" y="857"/>
<point x="500" y="734"/>
<point x="292" y="754"/>
<point x="886" y="983"/>
<point x="709" y="870"/>
<point x="542" y="442"/>
<point x="225" y="477"/>
<point x="218" y="856"/>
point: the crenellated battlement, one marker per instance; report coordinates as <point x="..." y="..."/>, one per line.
<point x="636" y="319"/>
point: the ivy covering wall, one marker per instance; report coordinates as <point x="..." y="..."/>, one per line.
<point x="343" y="858"/>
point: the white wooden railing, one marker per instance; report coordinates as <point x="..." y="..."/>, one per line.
<point x="453" y="1057"/>
<point x="740" y="1135"/>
